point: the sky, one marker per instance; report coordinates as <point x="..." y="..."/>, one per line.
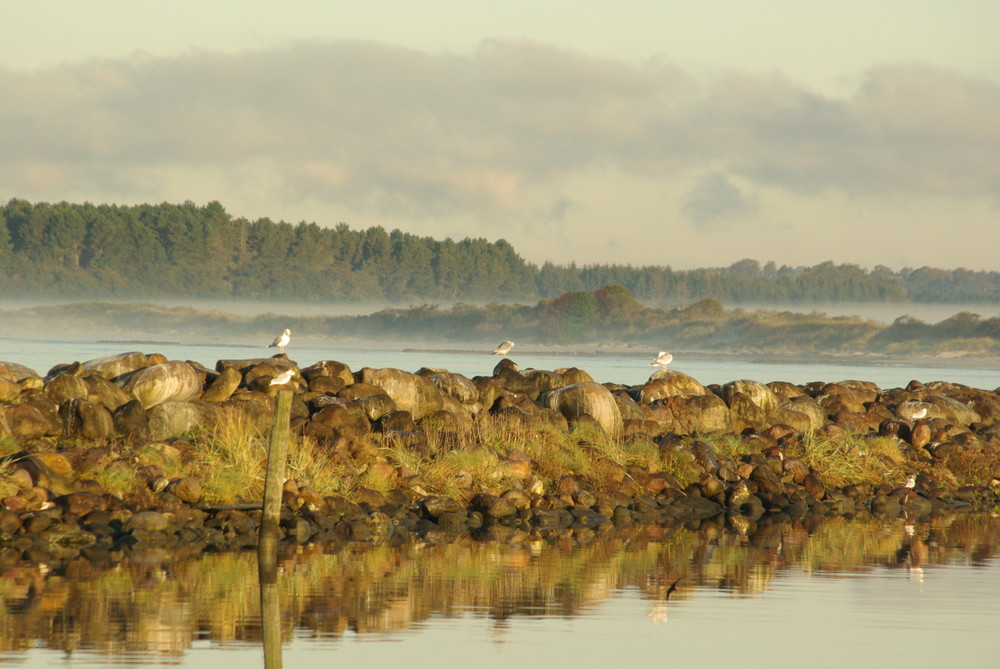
<point x="689" y="134"/>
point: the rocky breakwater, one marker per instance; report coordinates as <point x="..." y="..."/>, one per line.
<point x="557" y="453"/>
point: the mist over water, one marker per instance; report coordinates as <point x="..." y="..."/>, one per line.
<point x="880" y="312"/>
<point x="42" y="347"/>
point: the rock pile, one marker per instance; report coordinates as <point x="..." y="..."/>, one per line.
<point x="79" y="415"/>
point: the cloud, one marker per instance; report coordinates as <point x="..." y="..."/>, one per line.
<point x="716" y="202"/>
<point x="488" y="135"/>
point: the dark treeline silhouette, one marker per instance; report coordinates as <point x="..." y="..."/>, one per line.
<point x="97" y="251"/>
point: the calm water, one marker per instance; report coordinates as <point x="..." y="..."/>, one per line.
<point x="627" y="367"/>
<point x="831" y="594"/>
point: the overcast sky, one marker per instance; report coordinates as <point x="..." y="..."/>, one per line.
<point x="691" y="133"/>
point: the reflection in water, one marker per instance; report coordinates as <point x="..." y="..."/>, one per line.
<point x="120" y="604"/>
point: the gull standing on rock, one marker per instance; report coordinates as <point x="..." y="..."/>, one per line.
<point x="662" y="359"/>
<point x="282" y="378"/>
<point x="504" y="348"/>
<point x="281" y="341"/>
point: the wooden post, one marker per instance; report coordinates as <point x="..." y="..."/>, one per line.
<point x="277" y="454"/>
<point x="270" y="621"/>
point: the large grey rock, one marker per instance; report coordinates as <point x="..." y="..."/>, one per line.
<point x="588" y="398"/>
<point x="410" y="392"/>
<point x="692" y="414"/>
<point x="808" y="407"/>
<point x="105" y="393"/>
<point x="667" y="383"/>
<point x="9" y="389"/>
<point x="457" y="386"/>
<point x="66" y="386"/>
<point x="222" y="388"/>
<point x="16" y="372"/>
<point x="117" y="364"/>
<point x="173" y="418"/>
<point x="171" y="381"/>
<point x="86" y="420"/>
<point x="952" y="410"/>
<point x="25" y="422"/>
<point x="755" y="391"/>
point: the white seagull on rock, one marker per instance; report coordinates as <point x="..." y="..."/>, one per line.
<point x="504" y="348"/>
<point x="281" y="341"/>
<point x="662" y="359"/>
<point x="283" y="378"/>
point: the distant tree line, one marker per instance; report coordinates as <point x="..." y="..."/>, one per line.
<point x="148" y="251"/>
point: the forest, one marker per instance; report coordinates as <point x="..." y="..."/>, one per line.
<point x="87" y="251"/>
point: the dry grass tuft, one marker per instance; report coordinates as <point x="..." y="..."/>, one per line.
<point x="853" y="459"/>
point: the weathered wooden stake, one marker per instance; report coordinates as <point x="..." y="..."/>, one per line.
<point x="277" y="454"/>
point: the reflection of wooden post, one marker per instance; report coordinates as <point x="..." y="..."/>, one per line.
<point x="270" y="622"/>
<point x="277" y="454"/>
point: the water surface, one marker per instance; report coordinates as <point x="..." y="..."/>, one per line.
<point x="820" y="593"/>
<point x="611" y="366"/>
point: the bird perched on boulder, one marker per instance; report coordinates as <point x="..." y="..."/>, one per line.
<point x="662" y="359"/>
<point x="283" y="378"/>
<point x="504" y="348"/>
<point x="281" y="341"/>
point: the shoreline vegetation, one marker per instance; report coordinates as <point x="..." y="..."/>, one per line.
<point x="584" y="323"/>
<point x="133" y="451"/>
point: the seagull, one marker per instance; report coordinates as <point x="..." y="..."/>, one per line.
<point x="662" y="359"/>
<point x="284" y="377"/>
<point x="504" y="348"/>
<point x="910" y="482"/>
<point x="281" y="341"/>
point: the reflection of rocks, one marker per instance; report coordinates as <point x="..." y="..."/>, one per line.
<point x="149" y="599"/>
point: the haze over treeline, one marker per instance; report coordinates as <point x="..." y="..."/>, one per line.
<point x="148" y="251"/>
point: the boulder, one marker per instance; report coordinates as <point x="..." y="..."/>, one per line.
<point x="758" y="393"/>
<point x="130" y="421"/>
<point x="629" y="408"/>
<point x="396" y="421"/>
<point x="266" y="370"/>
<point x="746" y="413"/>
<point x="172" y="419"/>
<point x="345" y="417"/>
<point x="410" y="392"/>
<point x="106" y="393"/>
<point x="329" y="369"/>
<point x="66" y="386"/>
<point x="952" y="410"/>
<point x="16" y="372"/>
<point x="118" y="364"/>
<point x="588" y="398"/>
<point x="255" y="415"/>
<point x="692" y="414"/>
<point x="785" y="390"/>
<point x="508" y="376"/>
<point x="185" y="489"/>
<point x="667" y="383"/>
<point x="375" y="406"/>
<point x="571" y="375"/>
<point x="543" y="380"/>
<point x="222" y="388"/>
<point x="25" y="422"/>
<point x="9" y="389"/>
<point x="808" y="407"/>
<point x="86" y="420"/>
<point x="457" y="386"/>
<point x="171" y="381"/>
